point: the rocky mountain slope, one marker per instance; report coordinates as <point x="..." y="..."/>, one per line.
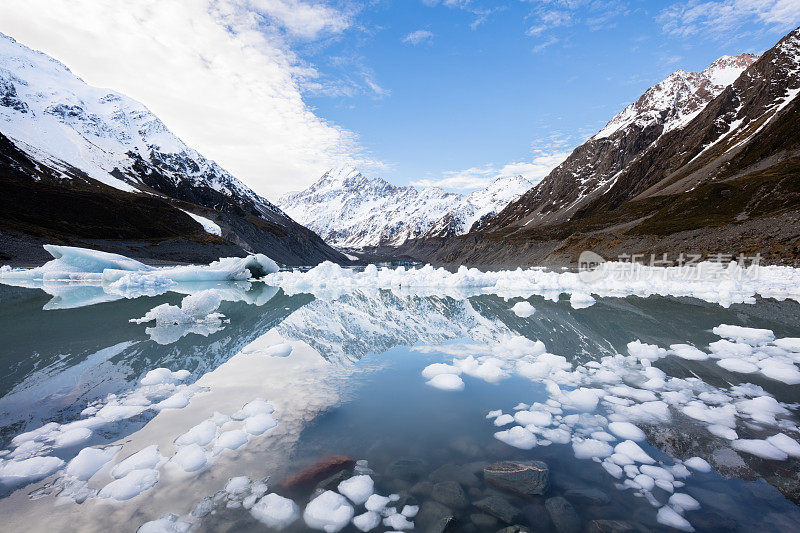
<point x="693" y="166"/>
<point x="350" y="210"/>
<point x="84" y="164"/>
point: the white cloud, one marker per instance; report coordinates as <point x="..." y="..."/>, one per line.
<point x="479" y="177"/>
<point x="719" y="18"/>
<point x="419" y="36"/>
<point x="220" y="73"/>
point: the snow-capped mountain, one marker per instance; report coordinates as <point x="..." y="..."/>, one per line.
<point x="694" y="164"/>
<point x="350" y="210"/>
<point x="88" y="135"/>
<point x="593" y="167"/>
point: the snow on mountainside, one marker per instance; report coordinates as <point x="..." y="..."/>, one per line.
<point x="57" y="118"/>
<point x="349" y="210"/>
<point x="592" y="169"/>
<point x="675" y="101"/>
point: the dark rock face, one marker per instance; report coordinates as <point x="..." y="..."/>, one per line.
<point x="615" y="526"/>
<point x="527" y="479"/>
<point x="563" y="515"/>
<point x="434" y="517"/>
<point x="407" y="469"/>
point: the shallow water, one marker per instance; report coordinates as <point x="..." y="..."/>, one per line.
<point x="352" y="386"/>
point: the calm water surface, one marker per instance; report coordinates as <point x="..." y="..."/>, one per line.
<point x="352" y="386"/>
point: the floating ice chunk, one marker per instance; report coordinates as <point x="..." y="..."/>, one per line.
<point x="724" y="415"/>
<point x="649" y="352"/>
<point x="450" y="382"/>
<point x="237" y="485"/>
<point x="523" y="309"/>
<point x="194" y="308"/>
<point x="521" y="406"/>
<point x="516" y="346"/>
<point x="376" y="502"/>
<point x="657" y="472"/>
<point x="132" y="484"/>
<point x="26" y="470"/>
<point x="89" y="460"/>
<point x="621" y="459"/>
<point x="146" y="458"/>
<point x="367" y="521"/>
<point x="780" y="371"/>
<point x="737" y="365"/>
<point x="489" y="370"/>
<point x="219" y="419"/>
<point x="279" y="350"/>
<point x="786" y="444"/>
<point x="632" y="450"/>
<point x="591" y="448"/>
<point x="503" y="420"/>
<point x="162" y="376"/>
<point x="581" y="300"/>
<point x="518" y="437"/>
<point x="71" y="437"/>
<point x="684" y="502"/>
<point x="581" y="399"/>
<point x="645" y="481"/>
<point x="667" y="516"/>
<point x="357" y="488"/>
<point x="398" y="522"/>
<point x="436" y="369"/>
<point x="329" y="511"/>
<point x="168" y="523"/>
<point x="190" y="457"/>
<point x="537" y="418"/>
<point x="230" y="440"/>
<point x="759" y="448"/>
<point x="613" y="469"/>
<point x="179" y="400"/>
<point x="257" y="406"/>
<point x="761" y="409"/>
<point x="201" y="434"/>
<point x="275" y="511"/>
<point x="258" y="424"/>
<point x="626" y="430"/>
<point x="751" y="336"/>
<point x="698" y="463"/>
<point x="791" y="344"/>
<point x="687" y="351"/>
<point x="494" y="414"/>
<point x="410" y="511"/>
<point x="723" y="432"/>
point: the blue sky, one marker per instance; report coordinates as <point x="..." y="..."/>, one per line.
<point x="486" y="84"/>
<point x="443" y="92"/>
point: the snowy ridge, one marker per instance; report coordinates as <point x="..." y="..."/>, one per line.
<point x="342" y="206"/>
<point x="676" y="100"/>
<point x="55" y="117"/>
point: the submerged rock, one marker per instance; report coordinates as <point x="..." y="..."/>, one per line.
<point x="483" y="521"/>
<point x="422" y="489"/>
<point x="563" y="515"/>
<point x="516" y="528"/>
<point x="434" y="517"/>
<point x="615" y="526"/>
<point x="453" y="472"/>
<point x="527" y="479"/>
<point x="591" y="496"/>
<point x="451" y="494"/>
<point x="499" y="507"/>
<point x="309" y="477"/>
<point x="407" y="469"/>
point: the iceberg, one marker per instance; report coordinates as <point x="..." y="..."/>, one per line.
<point x="70" y="263"/>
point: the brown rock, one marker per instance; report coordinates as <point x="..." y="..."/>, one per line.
<point x="309" y="477"/>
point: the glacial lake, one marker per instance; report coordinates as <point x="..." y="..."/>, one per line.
<point x="316" y="383"/>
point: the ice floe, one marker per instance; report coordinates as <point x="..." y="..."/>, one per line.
<point x="329" y="512"/>
<point x="275" y="511"/>
<point x="523" y="309"/>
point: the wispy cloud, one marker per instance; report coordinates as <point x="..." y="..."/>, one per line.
<point x="481" y="14"/>
<point x="417" y="37"/>
<point x="550" y="15"/>
<point x="550" y="41"/>
<point x="222" y="74"/>
<point x="474" y="178"/>
<point x="718" y="18"/>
